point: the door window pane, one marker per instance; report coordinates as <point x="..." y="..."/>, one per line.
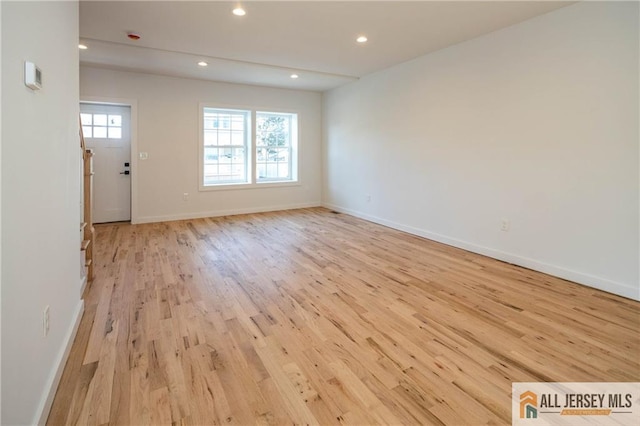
<point x="99" y="132"/>
<point x="115" y="121"/>
<point x="99" y="119"/>
<point x="86" y="119"/>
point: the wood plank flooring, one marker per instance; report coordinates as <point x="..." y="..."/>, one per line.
<point x="312" y="317"/>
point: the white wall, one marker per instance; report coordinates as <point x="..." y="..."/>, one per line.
<point x="0" y="219"/>
<point x="167" y="128"/>
<point x="40" y="196"/>
<point x="536" y="123"/>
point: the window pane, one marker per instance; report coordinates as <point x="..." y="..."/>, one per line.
<point x="210" y="155"/>
<point x="86" y="132"/>
<point x="224" y="172"/>
<point x="210" y="137"/>
<point x="211" y="170"/>
<point x="115" y="132"/>
<point x="237" y="138"/>
<point x="274" y="144"/>
<point x="237" y="122"/>
<point x="230" y="164"/>
<point x="99" y="119"/>
<point x="86" y="119"/>
<point x="225" y="156"/>
<point x="99" y="132"/>
<point x="283" y="170"/>
<point x="272" y="129"/>
<point x="115" y="121"/>
<point x="261" y="155"/>
<point x="223" y="129"/>
<point x="224" y="138"/>
<point x="272" y="170"/>
<point x="262" y="170"/>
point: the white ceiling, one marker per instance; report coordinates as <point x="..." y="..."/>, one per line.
<point x="314" y="39"/>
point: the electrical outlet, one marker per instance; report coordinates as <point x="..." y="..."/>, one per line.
<point x="505" y="225"/>
<point x="45" y="321"/>
<point x="185" y="196"/>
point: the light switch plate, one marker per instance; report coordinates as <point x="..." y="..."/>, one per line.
<point x="32" y="76"/>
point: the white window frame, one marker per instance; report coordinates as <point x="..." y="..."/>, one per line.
<point x="248" y="134"/>
<point x="251" y="150"/>
<point x="292" y="147"/>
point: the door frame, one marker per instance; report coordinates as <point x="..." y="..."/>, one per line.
<point x="133" y="105"/>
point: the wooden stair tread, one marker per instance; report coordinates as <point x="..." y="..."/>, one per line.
<point x="87" y="263"/>
<point x="85" y="244"/>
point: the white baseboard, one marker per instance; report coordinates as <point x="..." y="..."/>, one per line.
<point x="216" y="213"/>
<point x="52" y="384"/>
<point x="83" y="285"/>
<point x="557" y="271"/>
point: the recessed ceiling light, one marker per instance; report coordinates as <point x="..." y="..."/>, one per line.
<point x="82" y="47"/>
<point x="238" y="11"/>
<point x="361" y="39"/>
<point x="294" y="76"/>
<point x="203" y="63"/>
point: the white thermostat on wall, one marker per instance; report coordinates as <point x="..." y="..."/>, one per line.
<point x="32" y="76"/>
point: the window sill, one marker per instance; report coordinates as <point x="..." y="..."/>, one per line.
<point x="238" y="186"/>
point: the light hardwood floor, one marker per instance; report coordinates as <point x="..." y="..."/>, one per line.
<point x="311" y="317"/>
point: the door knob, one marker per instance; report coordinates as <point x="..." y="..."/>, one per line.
<point x="126" y="172"/>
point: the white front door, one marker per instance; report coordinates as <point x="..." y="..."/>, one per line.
<point x="107" y="131"/>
